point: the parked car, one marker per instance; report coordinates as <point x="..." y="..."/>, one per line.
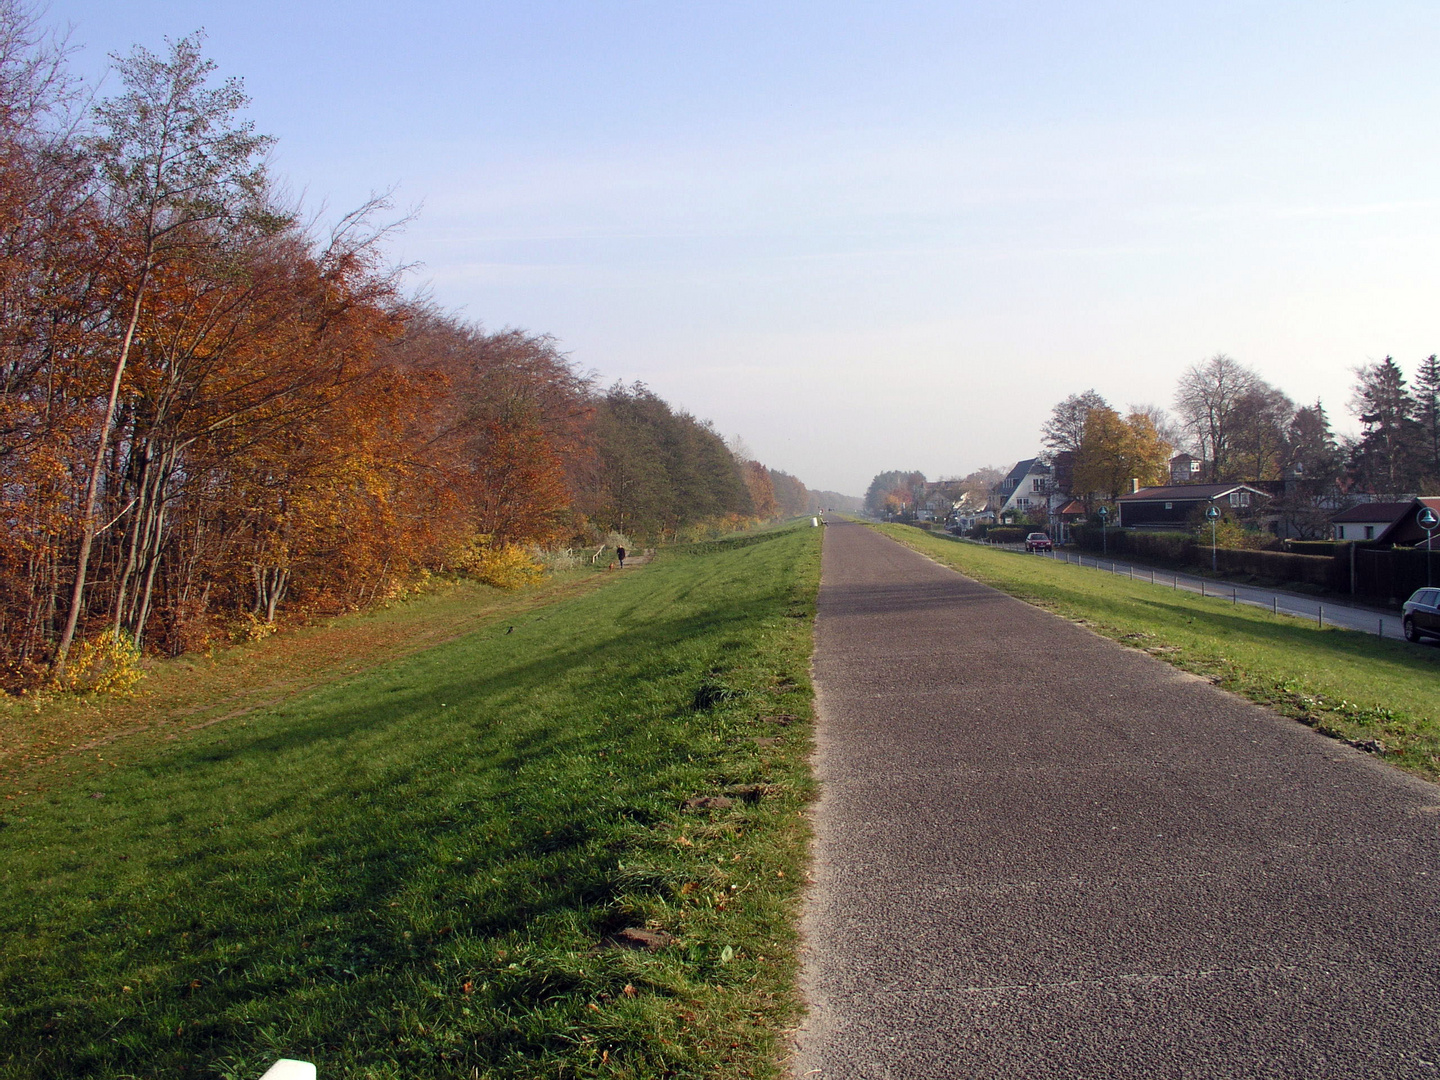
<point x="1421" y="614"/>
<point x="1039" y="542"/>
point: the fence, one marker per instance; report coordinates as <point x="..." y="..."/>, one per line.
<point x="1388" y="575"/>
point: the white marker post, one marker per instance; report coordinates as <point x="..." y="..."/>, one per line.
<point x="288" y="1069"/>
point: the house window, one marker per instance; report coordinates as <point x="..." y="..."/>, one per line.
<point x="1369" y="532"/>
<point x="1035" y="485"/>
<point x="1170" y="506"/>
<point x="1239" y="498"/>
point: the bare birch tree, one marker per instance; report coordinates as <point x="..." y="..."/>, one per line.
<point x="174" y="158"/>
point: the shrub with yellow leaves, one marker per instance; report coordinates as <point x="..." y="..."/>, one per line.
<point x="505" y="566"/>
<point x="107" y="664"/>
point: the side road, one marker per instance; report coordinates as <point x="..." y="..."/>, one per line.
<point x="1025" y="870"/>
<point x="1331" y="611"/>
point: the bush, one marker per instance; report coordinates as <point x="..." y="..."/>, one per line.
<point x="505" y="566"/>
<point x="1005" y="534"/>
<point x="108" y="664"/>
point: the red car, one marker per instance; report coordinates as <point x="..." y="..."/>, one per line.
<point x="1039" y="542"/>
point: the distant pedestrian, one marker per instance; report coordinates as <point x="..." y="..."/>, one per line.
<point x="620" y="554"/>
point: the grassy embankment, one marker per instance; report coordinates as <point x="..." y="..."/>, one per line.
<point x="425" y="869"/>
<point x="1344" y="684"/>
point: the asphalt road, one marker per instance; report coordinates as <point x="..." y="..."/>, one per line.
<point x="1329" y="610"/>
<point x="1040" y="854"/>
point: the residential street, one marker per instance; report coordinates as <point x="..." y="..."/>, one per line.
<point x="1334" y="611"/>
<point x="1040" y="854"/>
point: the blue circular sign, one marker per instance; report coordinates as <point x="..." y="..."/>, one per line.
<point x="1426" y="518"/>
<point x="1211" y="513"/>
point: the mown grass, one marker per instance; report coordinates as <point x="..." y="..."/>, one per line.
<point x="46" y="738"/>
<point x="416" y="871"/>
<point x="1345" y="684"/>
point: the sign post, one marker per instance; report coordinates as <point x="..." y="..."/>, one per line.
<point x="1212" y="514"/>
<point x="1104" y="516"/>
<point x="1427" y="520"/>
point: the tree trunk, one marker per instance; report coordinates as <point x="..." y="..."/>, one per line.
<point x="92" y="486"/>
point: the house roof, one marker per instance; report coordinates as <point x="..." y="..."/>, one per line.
<point x="1074" y="506"/>
<point x="1404" y="529"/>
<point x="1376" y="513"/>
<point x="1021" y="470"/>
<point x="1188" y="493"/>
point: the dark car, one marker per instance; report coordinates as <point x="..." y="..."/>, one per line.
<point x="1039" y="542"/>
<point x="1421" y="614"/>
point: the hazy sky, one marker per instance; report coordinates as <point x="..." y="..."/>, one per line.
<point x="875" y="236"/>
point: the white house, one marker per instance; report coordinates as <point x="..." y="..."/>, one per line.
<point x="1368" y="520"/>
<point x="1028" y="486"/>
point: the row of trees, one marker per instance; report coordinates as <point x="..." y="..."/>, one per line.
<point x="209" y="413"/>
<point x="1239" y="428"/>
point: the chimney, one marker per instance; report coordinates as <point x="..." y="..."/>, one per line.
<point x="1134" y="485"/>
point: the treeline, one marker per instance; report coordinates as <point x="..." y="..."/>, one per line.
<point x="1239" y="427"/>
<point x="208" y="414"/>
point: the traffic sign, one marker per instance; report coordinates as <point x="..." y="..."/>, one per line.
<point x="1211" y="513"/>
<point x="1426" y="518"/>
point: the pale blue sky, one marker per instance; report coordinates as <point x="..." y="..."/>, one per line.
<point x="876" y="236"/>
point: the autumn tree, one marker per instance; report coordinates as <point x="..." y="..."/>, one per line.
<point x="49" y="302"/>
<point x="1114" y="451"/>
<point x="791" y="496"/>
<point x="893" y="492"/>
<point x="761" y="489"/>
<point x="178" y="167"/>
<point x="659" y="470"/>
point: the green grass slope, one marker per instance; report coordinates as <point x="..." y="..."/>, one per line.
<point x="421" y="871"/>
<point x="1345" y="684"/>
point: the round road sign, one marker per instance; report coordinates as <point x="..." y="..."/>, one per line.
<point x="1211" y="513"/>
<point x="1426" y="519"/>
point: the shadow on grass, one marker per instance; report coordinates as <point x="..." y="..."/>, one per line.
<point x="300" y="874"/>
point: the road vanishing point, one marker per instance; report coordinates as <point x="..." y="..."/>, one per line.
<point x="1041" y="854"/>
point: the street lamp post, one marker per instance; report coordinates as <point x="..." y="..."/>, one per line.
<point x="1104" y="516"/>
<point x="1427" y="520"/>
<point x="1212" y="514"/>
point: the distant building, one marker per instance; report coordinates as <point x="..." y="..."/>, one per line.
<point x="1406" y="531"/>
<point x="1368" y="520"/>
<point x="1170" y="507"/>
<point x="1185" y="469"/>
<point x="1028" y="486"/>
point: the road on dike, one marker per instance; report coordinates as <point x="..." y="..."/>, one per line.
<point x="1040" y="854"/>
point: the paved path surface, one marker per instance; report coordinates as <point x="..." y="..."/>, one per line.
<point x="1040" y="854"/>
